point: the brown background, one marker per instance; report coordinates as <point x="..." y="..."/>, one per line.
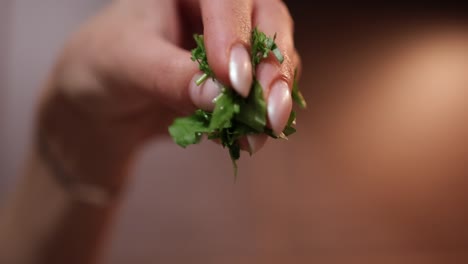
<point x="375" y="174"/>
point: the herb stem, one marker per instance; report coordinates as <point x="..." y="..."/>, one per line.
<point x="202" y="79"/>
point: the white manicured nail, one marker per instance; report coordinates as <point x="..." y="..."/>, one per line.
<point x="240" y="70"/>
<point x="256" y="142"/>
<point x="279" y="106"/>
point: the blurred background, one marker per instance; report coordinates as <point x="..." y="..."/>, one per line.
<point x="377" y="172"/>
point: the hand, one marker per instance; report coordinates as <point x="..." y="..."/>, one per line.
<point x="127" y="73"/>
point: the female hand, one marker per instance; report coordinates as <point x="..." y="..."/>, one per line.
<point x="127" y="73"/>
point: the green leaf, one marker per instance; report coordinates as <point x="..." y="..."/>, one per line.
<point x="292" y="118"/>
<point x="261" y="46"/>
<point x="269" y="132"/>
<point x="229" y="139"/>
<point x="278" y="55"/>
<point x="253" y="111"/>
<point x="189" y="130"/>
<point x="234" y="152"/>
<point x="225" y="109"/>
<point x="199" y="55"/>
<point x="289" y="129"/>
<point x="234" y="116"/>
<point x="296" y="94"/>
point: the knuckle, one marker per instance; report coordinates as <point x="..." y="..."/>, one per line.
<point x="283" y="9"/>
<point x="287" y="69"/>
<point x="280" y="9"/>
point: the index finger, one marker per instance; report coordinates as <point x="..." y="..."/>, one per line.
<point x="227" y="28"/>
<point x="272" y="17"/>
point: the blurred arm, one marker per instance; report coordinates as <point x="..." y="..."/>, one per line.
<point x="46" y="220"/>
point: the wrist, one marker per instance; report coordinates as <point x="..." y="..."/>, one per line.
<point x="83" y="146"/>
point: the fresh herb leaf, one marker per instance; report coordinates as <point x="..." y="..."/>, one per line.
<point x="234" y="116"/>
<point x="289" y="129"/>
<point x="199" y="55"/>
<point x="296" y="94"/>
<point x="278" y="55"/>
<point x="253" y="111"/>
<point x="262" y="45"/>
<point x="234" y="152"/>
<point x="292" y="118"/>
<point x="189" y="130"/>
<point x="225" y="109"/>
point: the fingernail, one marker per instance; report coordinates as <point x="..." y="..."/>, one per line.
<point x="202" y="96"/>
<point x="265" y="74"/>
<point x="240" y="70"/>
<point x="256" y="142"/>
<point x="252" y="143"/>
<point x="244" y="145"/>
<point x="279" y="106"/>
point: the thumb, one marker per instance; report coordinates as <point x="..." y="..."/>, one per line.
<point x="168" y="74"/>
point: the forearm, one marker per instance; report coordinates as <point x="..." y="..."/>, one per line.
<point x="42" y="223"/>
<point x="47" y="219"/>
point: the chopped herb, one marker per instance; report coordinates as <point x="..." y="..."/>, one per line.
<point x="234" y="116"/>
<point x="296" y="94"/>
<point x="253" y="110"/>
<point x="226" y="108"/>
<point x="262" y="45"/>
<point x="189" y="130"/>
<point x="289" y="129"/>
<point x="199" y="55"/>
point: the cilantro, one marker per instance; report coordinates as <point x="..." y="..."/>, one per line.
<point x="289" y="129"/>
<point x="199" y="55"/>
<point x="188" y="130"/>
<point x="262" y="46"/>
<point x="253" y="110"/>
<point x="234" y="116"/>
<point x="296" y="94"/>
<point x="225" y="109"/>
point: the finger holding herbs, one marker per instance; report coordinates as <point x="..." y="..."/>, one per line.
<point x="236" y="116"/>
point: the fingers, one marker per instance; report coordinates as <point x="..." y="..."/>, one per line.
<point x="227" y="28"/>
<point x="256" y="142"/>
<point x="272" y="17"/>
<point x="203" y="96"/>
<point x="164" y="71"/>
<point x="250" y="143"/>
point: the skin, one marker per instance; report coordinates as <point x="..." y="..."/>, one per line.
<point x="378" y="195"/>
<point x="120" y="80"/>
